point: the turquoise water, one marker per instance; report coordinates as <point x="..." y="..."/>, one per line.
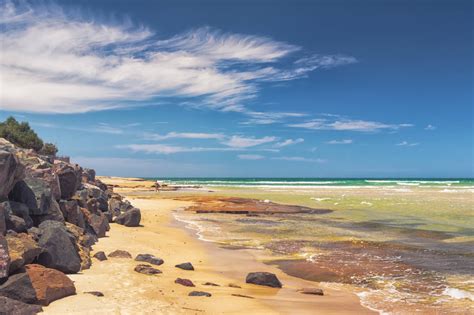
<point x="240" y="182"/>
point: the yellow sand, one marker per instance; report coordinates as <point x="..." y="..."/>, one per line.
<point x="128" y="292"/>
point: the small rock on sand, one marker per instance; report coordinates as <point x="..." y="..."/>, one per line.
<point x="185" y="266"/>
<point x="211" y="284"/>
<point x="95" y="293"/>
<point x="313" y="291"/>
<point x="263" y="278"/>
<point x="185" y="282"/>
<point x="244" y="296"/>
<point x="200" y="293"/>
<point x="100" y="256"/>
<point x="147" y="269"/>
<point x="233" y="285"/>
<point x="120" y="254"/>
<point x="149" y="259"/>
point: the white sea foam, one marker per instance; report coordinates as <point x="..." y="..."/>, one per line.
<point x="366" y="203"/>
<point x="319" y="199"/>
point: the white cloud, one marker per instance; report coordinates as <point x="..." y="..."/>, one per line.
<point x="56" y="62"/>
<point x="246" y="142"/>
<point x="430" y="127"/>
<point x="288" y="142"/>
<point x="347" y="125"/>
<point x="407" y="144"/>
<point x="183" y="135"/>
<point x="266" y="118"/>
<point x="298" y="159"/>
<point x="169" y="149"/>
<point x="251" y="157"/>
<point x="345" y="141"/>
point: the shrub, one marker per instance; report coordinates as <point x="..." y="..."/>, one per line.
<point x="20" y="134"/>
<point x="49" y="149"/>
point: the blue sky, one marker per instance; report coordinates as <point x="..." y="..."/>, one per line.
<point x="246" y="88"/>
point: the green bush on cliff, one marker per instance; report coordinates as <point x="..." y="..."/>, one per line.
<point x="20" y="134"/>
<point x="49" y="149"/>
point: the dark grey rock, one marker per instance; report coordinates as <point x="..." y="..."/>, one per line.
<point x="185" y="282"/>
<point x="263" y="278"/>
<point x="3" y="224"/>
<point x="200" y="293"/>
<point x="95" y="293"/>
<point x="19" y="209"/>
<point x="147" y="269"/>
<point x="13" y="307"/>
<point x="4" y="258"/>
<point x="120" y="254"/>
<point x="90" y="174"/>
<point x="100" y="256"/>
<point x="72" y="213"/>
<point x="185" y="266"/>
<point x="16" y="224"/>
<point x="19" y="287"/>
<point x="11" y="171"/>
<point x="312" y="291"/>
<point x="149" y="259"/>
<point x="68" y="181"/>
<point x="59" y="248"/>
<point x="129" y="218"/>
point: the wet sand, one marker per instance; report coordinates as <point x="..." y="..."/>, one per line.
<point x="128" y="292"/>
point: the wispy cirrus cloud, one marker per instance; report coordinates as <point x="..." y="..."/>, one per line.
<point x="347" y="125"/>
<point x="430" y="127"/>
<point x="344" y="141"/>
<point x="183" y="135"/>
<point x="170" y="149"/>
<point x="70" y="64"/>
<point x="288" y="142"/>
<point x="298" y="159"/>
<point x="407" y="144"/>
<point x="250" y="157"/>
<point x="247" y="142"/>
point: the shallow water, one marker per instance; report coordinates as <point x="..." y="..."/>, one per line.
<point x="401" y="250"/>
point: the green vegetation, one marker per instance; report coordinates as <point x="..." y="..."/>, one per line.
<point x="23" y="136"/>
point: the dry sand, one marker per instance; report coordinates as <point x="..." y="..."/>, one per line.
<point x="128" y="292"/>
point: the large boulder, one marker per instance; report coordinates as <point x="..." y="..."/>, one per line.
<point x="18" y="209"/>
<point x="100" y="223"/>
<point x="4" y="258"/>
<point x="82" y="243"/>
<point x="68" y="180"/>
<point x="49" y="284"/>
<point x="72" y="213"/>
<point x="16" y="224"/>
<point x="23" y="250"/>
<point x="14" y="307"/>
<point x="89" y="174"/>
<point x="54" y="214"/>
<point x="11" y="171"/>
<point x="59" y="250"/>
<point x="129" y="218"/>
<point x="34" y="193"/>
<point x="263" y="278"/>
<point x="19" y="287"/>
<point x="3" y="224"/>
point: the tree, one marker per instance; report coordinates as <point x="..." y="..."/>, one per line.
<point x="20" y="134"/>
<point x="49" y="149"/>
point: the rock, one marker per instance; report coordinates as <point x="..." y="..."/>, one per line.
<point x="23" y="250"/>
<point x="95" y="293"/>
<point x="100" y="256"/>
<point x="92" y="190"/>
<point x="72" y="213"/>
<point x="90" y="174"/>
<point x="147" y="269"/>
<point x="129" y="218"/>
<point x="232" y="285"/>
<point x="114" y="206"/>
<point x="199" y="293"/>
<point x="185" y="282"/>
<point x="54" y="214"/>
<point x="19" y="287"/>
<point x="120" y="254"/>
<point x="59" y="248"/>
<point x="4" y="258"/>
<point x="3" y="224"/>
<point x="263" y="278"/>
<point x="19" y="209"/>
<point x="99" y="223"/>
<point x="313" y="291"/>
<point x="149" y="259"/>
<point x="211" y="284"/>
<point x="185" y="266"/>
<point x="14" y="307"/>
<point x="35" y="193"/>
<point x="35" y="233"/>
<point x="11" y="171"/>
<point x="68" y="181"/>
<point x="49" y="284"/>
<point x="16" y="224"/>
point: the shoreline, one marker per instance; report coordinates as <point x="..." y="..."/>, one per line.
<point x="127" y="291"/>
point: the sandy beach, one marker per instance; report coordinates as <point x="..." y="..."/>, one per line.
<point x="128" y="292"/>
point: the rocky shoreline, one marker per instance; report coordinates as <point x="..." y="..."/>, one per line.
<point x="51" y="214"/>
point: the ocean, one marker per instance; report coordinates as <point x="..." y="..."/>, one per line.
<point x="402" y="245"/>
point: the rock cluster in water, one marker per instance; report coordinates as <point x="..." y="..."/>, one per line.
<point x="51" y="213"/>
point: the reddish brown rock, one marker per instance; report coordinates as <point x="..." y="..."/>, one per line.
<point x="120" y="254"/>
<point x="49" y="284"/>
<point x="185" y="282"/>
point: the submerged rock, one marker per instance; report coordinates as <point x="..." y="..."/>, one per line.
<point x="263" y="278"/>
<point x="185" y="266"/>
<point x="149" y="259"/>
